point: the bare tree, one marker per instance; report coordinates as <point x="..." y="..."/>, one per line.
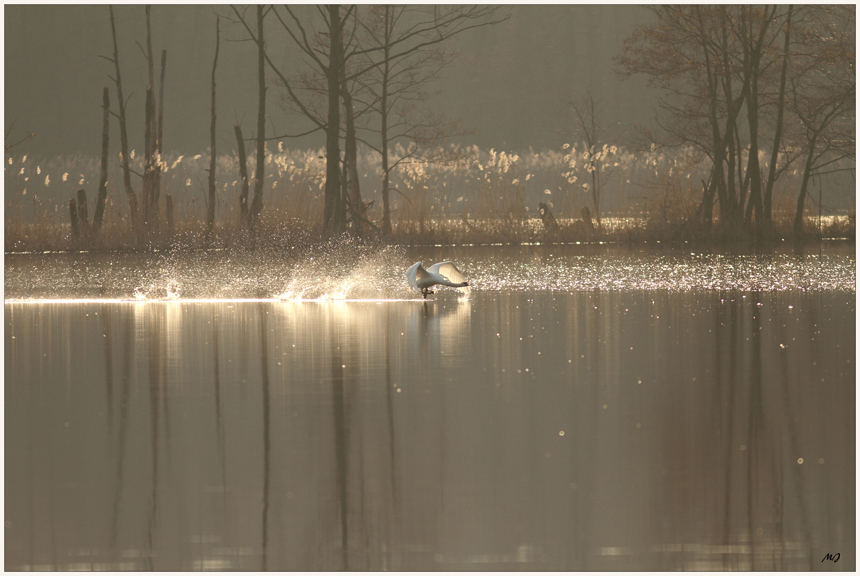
<point x="210" y="207"/>
<point x="102" y="197"/>
<point x="718" y="65"/>
<point x="586" y="116"/>
<point x="823" y="92"/>
<point x="259" y="170"/>
<point x="152" y="133"/>
<point x="778" y="129"/>
<point x="243" y="175"/>
<point x="357" y="208"/>
<point x="336" y="55"/>
<point x="7" y="146"/>
<point x="753" y="33"/>
<point x="325" y="51"/>
<point x="126" y="171"/>
<point x="400" y="53"/>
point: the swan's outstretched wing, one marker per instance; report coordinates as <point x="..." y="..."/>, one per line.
<point x="415" y="272"/>
<point x="450" y="271"/>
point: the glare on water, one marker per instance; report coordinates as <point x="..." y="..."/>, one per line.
<point x="581" y="410"/>
<point x="352" y="272"/>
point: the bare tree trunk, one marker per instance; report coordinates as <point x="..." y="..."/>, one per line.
<point x="333" y="210"/>
<point x="595" y="173"/>
<point x="752" y="56"/>
<point x="732" y="148"/>
<point x="158" y="143"/>
<point x="718" y="181"/>
<point x="243" y="174"/>
<point x="777" y="137"/>
<point x="595" y="192"/>
<point x="147" y="8"/>
<point x="259" y="172"/>
<point x="344" y="179"/>
<point x="383" y="131"/>
<point x="102" y="197"/>
<point x="804" y="186"/>
<point x="726" y="211"/>
<point x="359" y="213"/>
<point x="150" y="135"/>
<point x="732" y="155"/>
<point x="743" y="176"/>
<point x="210" y="208"/>
<point x="147" y="161"/>
<point x="753" y="168"/>
<point x="123" y="132"/>
<point x="707" y="205"/>
<point x="386" y="184"/>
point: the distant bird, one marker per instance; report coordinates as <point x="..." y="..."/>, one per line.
<point x="444" y="273"/>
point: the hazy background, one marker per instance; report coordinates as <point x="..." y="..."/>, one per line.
<point x="509" y="86"/>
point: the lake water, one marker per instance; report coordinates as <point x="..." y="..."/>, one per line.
<point x="586" y="408"/>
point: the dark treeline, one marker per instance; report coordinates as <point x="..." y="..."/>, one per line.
<point x="758" y="90"/>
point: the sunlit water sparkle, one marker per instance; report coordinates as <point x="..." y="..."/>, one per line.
<point x="350" y="272"/>
<point x="224" y="410"/>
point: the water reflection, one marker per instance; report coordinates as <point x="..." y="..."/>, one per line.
<point x="587" y="431"/>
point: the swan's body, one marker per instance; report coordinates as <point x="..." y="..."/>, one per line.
<point x="444" y="273"/>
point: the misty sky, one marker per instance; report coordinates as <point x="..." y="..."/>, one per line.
<point x="510" y="84"/>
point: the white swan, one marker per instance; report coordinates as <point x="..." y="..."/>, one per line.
<point x="444" y="273"/>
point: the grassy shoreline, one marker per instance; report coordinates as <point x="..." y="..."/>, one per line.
<point x="273" y="233"/>
<point x="486" y="197"/>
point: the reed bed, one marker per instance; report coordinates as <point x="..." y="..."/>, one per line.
<point x="477" y="196"/>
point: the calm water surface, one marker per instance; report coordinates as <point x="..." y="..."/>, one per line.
<point x="584" y="409"/>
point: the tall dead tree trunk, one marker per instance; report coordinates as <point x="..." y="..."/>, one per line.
<point x="804" y="186"/>
<point x="102" y="197"/>
<point x="383" y="131"/>
<point x="123" y="132"/>
<point x="243" y="174"/>
<point x="150" y="134"/>
<point x="717" y="181"/>
<point x="815" y="125"/>
<point x="259" y="171"/>
<point x="210" y="208"/>
<point x="706" y="208"/>
<point x="158" y="142"/>
<point x="147" y="8"/>
<point x="752" y="56"/>
<point x="148" y="194"/>
<point x="152" y="146"/>
<point x="732" y="149"/>
<point x="753" y="168"/>
<point x="357" y="208"/>
<point x="333" y="212"/>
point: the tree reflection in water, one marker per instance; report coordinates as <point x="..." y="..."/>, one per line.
<point x="589" y="431"/>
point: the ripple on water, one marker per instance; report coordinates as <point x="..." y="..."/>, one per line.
<point x="348" y="271"/>
<point x="673" y="272"/>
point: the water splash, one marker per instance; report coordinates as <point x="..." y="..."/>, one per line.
<point x="339" y="270"/>
<point x="347" y="273"/>
<point x="345" y="270"/>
